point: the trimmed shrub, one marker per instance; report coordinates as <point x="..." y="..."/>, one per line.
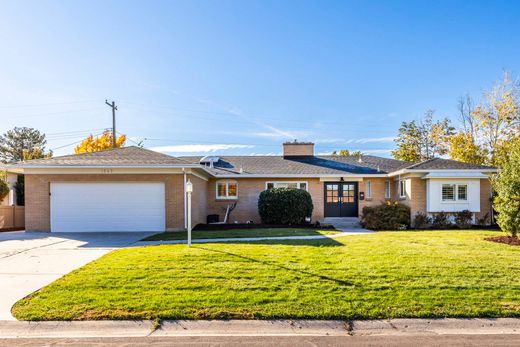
<point x="464" y="219"/>
<point x="441" y="220"/>
<point x="284" y="206"/>
<point x="421" y="220"/>
<point x="387" y="216"/>
<point x="4" y="189"/>
<point x="484" y="220"/>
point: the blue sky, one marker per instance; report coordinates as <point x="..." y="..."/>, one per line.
<point x="241" y="77"/>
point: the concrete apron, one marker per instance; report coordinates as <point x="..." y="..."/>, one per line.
<point x="30" y="261"/>
<point x="395" y="327"/>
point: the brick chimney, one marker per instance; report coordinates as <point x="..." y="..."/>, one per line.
<point x="298" y="149"/>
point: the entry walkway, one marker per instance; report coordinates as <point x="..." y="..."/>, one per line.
<point x="250" y="239"/>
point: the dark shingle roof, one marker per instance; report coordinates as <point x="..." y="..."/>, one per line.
<point x="446" y="164"/>
<point x="304" y="165"/>
<point x="126" y="156"/>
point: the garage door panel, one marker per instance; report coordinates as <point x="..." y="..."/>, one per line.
<point x="114" y="206"/>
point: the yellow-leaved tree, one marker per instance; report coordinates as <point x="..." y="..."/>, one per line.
<point x="99" y="143"/>
<point x="463" y="148"/>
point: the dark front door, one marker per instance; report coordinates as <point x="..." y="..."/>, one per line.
<point x="341" y="199"/>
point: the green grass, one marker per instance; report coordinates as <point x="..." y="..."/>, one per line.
<point x="238" y="233"/>
<point x="380" y="275"/>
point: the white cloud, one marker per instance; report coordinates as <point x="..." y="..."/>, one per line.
<point x="360" y="140"/>
<point x="376" y="151"/>
<point x="277" y="133"/>
<point x="375" y="139"/>
<point x="198" y="148"/>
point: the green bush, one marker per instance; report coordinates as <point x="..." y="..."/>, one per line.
<point x="441" y="220"/>
<point x="421" y="221"/>
<point x="284" y="206"/>
<point x="464" y="219"/>
<point x="506" y="185"/>
<point x="4" y="189"/>
<point x="387" y="216"/>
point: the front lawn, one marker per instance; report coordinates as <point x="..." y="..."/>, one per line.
<point x="379" y="275"/>
<point x="238" y="233"/>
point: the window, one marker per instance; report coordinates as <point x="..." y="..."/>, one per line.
<point x="298" y="185"/>
<point x="462" y="192"/>
<point x="332" y="192"/>
<point x="388" y="189"/>
<point x="402" y="188"/>
<point x="454" y="192"/>
<point x="227" y="190"/>
<point x="448" y="192"/>
<point x="349" y="193"/>
<point x="368" y="188"/>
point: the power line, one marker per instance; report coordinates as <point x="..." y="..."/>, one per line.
<point x="73" y="132"/>
<point x="50" y="104"/>
<point x="53" y="113"/>
<point x="72" y="143"/>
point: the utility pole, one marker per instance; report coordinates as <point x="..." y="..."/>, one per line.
<point x="114" y="108"/>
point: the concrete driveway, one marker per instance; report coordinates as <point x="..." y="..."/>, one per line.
<point x="31" y="260"/>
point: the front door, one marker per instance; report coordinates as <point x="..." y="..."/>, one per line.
<point x="341" y="199"/>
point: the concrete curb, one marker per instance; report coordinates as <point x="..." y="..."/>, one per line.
<point x="396" y="327"/>
<point x="249" y="239"/>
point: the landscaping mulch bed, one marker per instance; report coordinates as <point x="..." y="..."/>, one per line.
<point x="232" y="226"/>
<point x="508" y="240"/>
<point x="11" y="229"/>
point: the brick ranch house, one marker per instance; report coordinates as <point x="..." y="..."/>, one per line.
<point x="135" y="189"/>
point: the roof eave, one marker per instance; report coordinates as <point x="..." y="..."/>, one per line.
<point x="22" y="169"/>
<point x="404" y="171"/>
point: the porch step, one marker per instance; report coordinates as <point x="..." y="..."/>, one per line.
<point x="343" y="223"/>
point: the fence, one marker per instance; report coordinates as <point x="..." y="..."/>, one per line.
<point x="12" y="217"/>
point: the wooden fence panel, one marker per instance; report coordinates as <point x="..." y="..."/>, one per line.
<point x="12" y="217"/>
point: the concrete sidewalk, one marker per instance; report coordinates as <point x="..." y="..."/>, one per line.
<point x="263" y="238"/>
<point x="395" y="327"/>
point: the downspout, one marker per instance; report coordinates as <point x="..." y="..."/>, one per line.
<point x="185" y="203"/>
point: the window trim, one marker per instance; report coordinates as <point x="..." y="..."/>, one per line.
<point x="388" y="189"/>
<point x="368" y="189"/>
<point x="297" y="182"/>
<point x="455" y="192"/>
<point x="402" y="188"/>
<point x="226" y="197"/>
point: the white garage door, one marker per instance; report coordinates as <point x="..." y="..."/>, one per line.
<point x="107" y="206"/>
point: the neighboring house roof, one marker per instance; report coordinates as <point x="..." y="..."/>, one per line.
<point x="302" y="165"/>
<point x="446" y="164"/>
<point x="126" y="156"/>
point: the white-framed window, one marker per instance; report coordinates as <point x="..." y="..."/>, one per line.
<point x="402" y="188"/>
<point x="285" y="184"/>
<point x="388" y="189"/>
<point x="227" y="190"/>
<point x="454" y="192"/>
<point x="462" y="192"/>
<point x="368" y="189"/>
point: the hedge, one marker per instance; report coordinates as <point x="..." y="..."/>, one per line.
<point x="284" y="206"/>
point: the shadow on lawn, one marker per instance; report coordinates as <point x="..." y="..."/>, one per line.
<point x="283" y="267"/>
<point x="315" y="242"/>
